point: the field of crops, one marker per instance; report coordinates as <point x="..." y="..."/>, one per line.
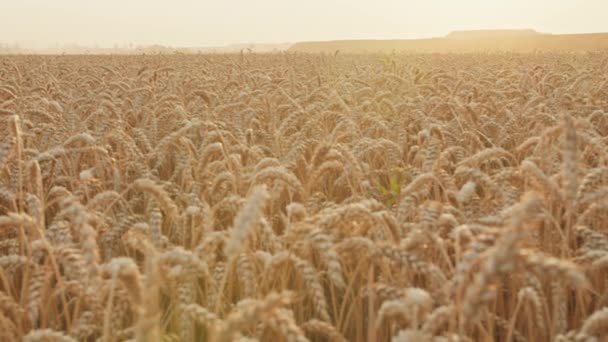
<point x="294" y="197"/>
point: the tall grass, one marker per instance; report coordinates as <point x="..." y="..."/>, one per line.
<point x="293" y="197"/>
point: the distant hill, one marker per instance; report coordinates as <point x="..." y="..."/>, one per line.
<point x="476" y="34"/>
<point x="467" y="41"/>
<point x="526" y="40"/>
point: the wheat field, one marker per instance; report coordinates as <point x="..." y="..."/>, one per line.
<point x="304" y="197"/>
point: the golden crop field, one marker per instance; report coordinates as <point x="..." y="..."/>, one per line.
<point x="304" y="197"/>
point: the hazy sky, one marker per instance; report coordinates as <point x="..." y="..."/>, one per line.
<point x="42" y="23"/>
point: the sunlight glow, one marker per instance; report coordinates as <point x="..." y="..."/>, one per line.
<point x="205" y="23"/>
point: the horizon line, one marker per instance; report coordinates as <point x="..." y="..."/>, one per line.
<point x="244" y="45"/>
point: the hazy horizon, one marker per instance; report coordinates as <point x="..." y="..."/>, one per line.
<point x="188" y="23"/>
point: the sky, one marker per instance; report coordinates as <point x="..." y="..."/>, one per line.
<point x="191" y="23"/>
